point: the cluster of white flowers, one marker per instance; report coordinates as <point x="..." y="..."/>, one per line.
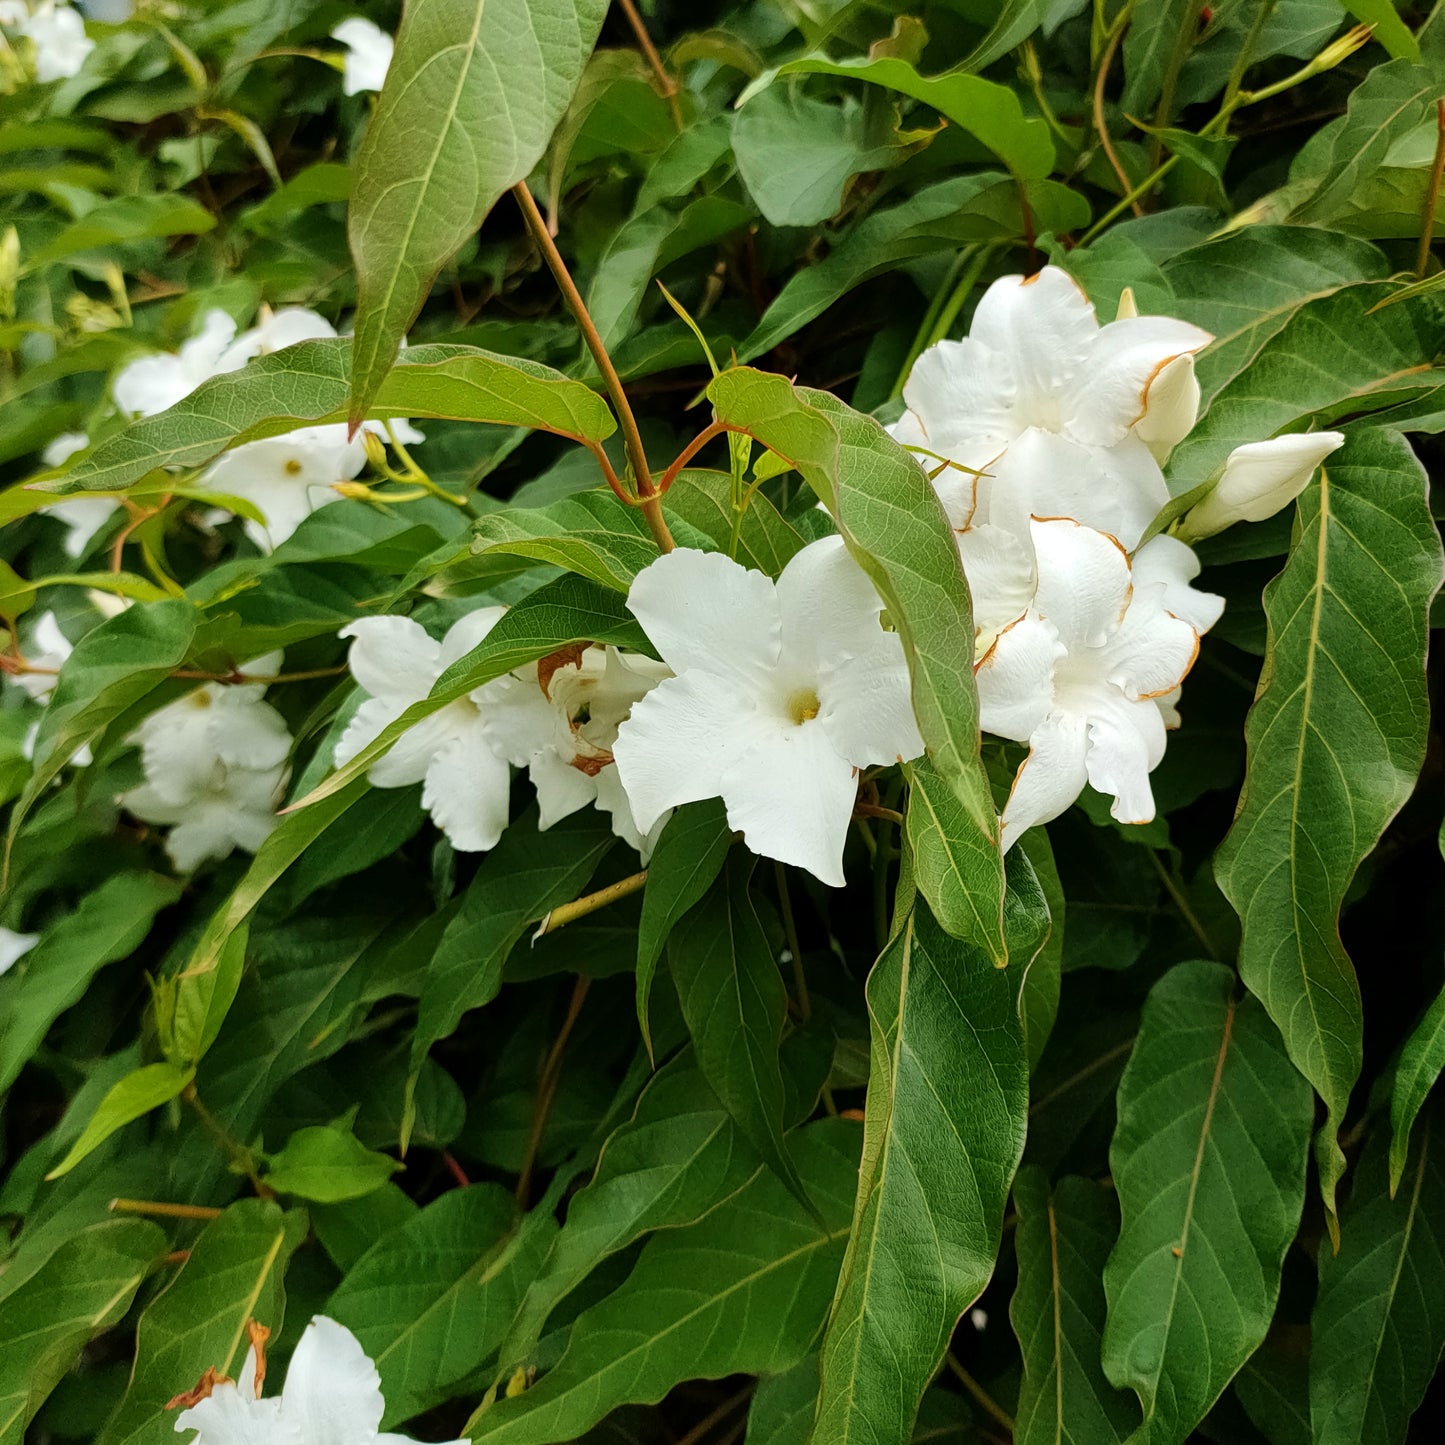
<point x="1045" y="434"/>
<point x="216" y="766"/>
<point x="56" y="34"/>
<point x="332" y="1396"/>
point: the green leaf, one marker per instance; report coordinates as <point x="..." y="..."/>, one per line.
<point x="1379" y="1319"/>
<point x="86" y="1286"/>
<point x="1390" y="102"/>
<point x="1244" y="287"/>
<point x="328" y="1166"/>
<point x="781" y="1412"/>
<point x="1016" y="20"/>
<point x="1156" y="39"/>
<point x="1419" y="1067"/>
<point x="17" y="596"/>
<point x="734" y="1001"/>
<point x="1043" y="977"/>
<point x="123" y="220"/>
<point x="1209" y="1160"/>
<point x="1389" y="29"/>
<point x="742" y="1291"/>
<point x="430" y="1299"/>
<point x="130" y="1099"/>
<point x="309" y="383"/>
<point x="503" y="70"/>
<point x="766" y="540"/>
<point x="1062" y="1240"/>
<point x="198" y="1322"/>
<point x="941" y="217"/>
<point x="988" y="111"/>
<point x="946" y="1108"/>
<point x="109" y="924"/>
<point x="520" y="880"/>
<point x="687" y="858"/>
<point x="894" y="525"/>
<point x="1336" y="738"/>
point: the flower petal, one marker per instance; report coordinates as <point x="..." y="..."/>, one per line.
<point x="1171" y="407"/>
<point x="791" y="796"/>
<point x="392" y="658"/>
<point x="229" y="1417"/>
<point x="1083" y="584"/>
<point x="866" y="705"/>
<point x="468" y="791"/>
<point x="962" y="408"/>
<point x="1051" y="777"/>
<point x="1042" y="327"/>
<point x="561" y="788"/>
<point x="999" y="566"/>
<point x="678" y="743"/>
<point x="254" y="735"/>
<point x="410" y="756"/>
<point x="332" y="1394"/>
<point x="704" y="611"/>
<point x="1016" y="679"/>
<point x="468" y="632"/>
<point x="1152" y="651"/>
<point x="14" y="946"/>
<point x="1169" y="565"/>
<point x="828" y="605"/>
<point x="1126" y="742"/>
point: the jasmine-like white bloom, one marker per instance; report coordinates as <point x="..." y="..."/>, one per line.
<point x="1088" y="676"/>
<point x="215" y="768"/>
<point x="152" y="384"/>
<point x="368" y="54"/>
<point x="467" y="784"/>
<point x="1258" y="480"/>
<point x="1048" y="405"/>
<point x="332" y="1396"/>
<point x="782" y="692"/>
<point x="560" y="722"/>
<point x="56" y="31"/>
<point x="14" y="946"/>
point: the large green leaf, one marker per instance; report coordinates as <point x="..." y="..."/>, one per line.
<point x="1209" y="1160"/>
<point x="1336" y="738"/>
<point x="474" y="92"/>
<point x="734" y="1001"/>
<point x="986" y="110"/>
<point x="1062" y="1240"/>
<point x="430" y="1299"/>
<point x="309" y="383"/>
<point x="109" y="924"/>
<point x="1379" y="1319"/>
<point x="947" y="1098"/>
<point x="50" y="1317"/>
<point x="894" y="525"/>
<point x="743" y="1290"/>
<point x="233" y="1274"/>
<point x="1421" y="1061"/>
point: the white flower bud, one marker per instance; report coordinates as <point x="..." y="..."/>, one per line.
<point x="1258" y="480"/>
<point x="1171" y="407"/>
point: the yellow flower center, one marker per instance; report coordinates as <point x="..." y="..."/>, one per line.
<point x="803" y="706"/>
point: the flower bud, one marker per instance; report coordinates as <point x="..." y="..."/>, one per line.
<point x="1258" y="480"/>
<point x="1171" y="407"/>
<point x="1128" y="306"/>
<point x="375" y="449"/>
<point x="9" y="271"/>
<point x="355" y="491"/>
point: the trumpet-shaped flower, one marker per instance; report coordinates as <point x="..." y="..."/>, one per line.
<point x="1080" y="677"/>
<point x="230" y="808"/>
<point x="14" y="946"/>
<point x="1258" y="480"/>
<point x="783" y="690"/>
<point x="466" y="783"/>
<point x="1047" y="404"/>
<point x="368" y="54"/>
<point x="559" y="719"/>
<point x="332" y="1396"/>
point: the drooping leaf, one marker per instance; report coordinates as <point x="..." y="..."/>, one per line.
<point x="1378" y="1326"/>
<point x="47" y="1319"/>
<point x="947" y="1097"/>
<point x="743" y="1290"/>
<point x="1336" y="738"/>
<point x="1421" y="1061"/>
<point x="130" y="1099"/>
<point x="125" y="219"/>
<point x="1062" y="1239"/>
<point x="503" y="70"/>
<point x="234" y="1273"/>
<point x="1209" y="1160"/>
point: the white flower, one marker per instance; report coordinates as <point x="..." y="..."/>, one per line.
<point x="332" y="1396"/>
<point x="215" y="767"/>
<point x="56" y="32"/>
<point x="368" y="54"/>
<point x="62" y="448"/>
<point x="782" y="692"/>
<point x="83" y="516"/>
<point x="1049" y="404"/>
<point x="47" y="648"/>
<point x="1258" y="480"/>
<point x="152" y="384"/>
<point x="14" y="946"/>
<point x="561" y="722"/>
<point x="467" y="785"/>
<point x="1087" y="677"/>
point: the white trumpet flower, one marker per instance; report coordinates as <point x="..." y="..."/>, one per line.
<point x="1259" y="479"/>
<point x="560" y="722"/>
<point x="332" y="1396"/>
<point x="783" y="690"/>
<point x="467" y="783"/>
<point x="368" y="54"/>
<point x="1080" y="676"/>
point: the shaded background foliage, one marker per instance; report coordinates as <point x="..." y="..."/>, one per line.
<point x="679" y="1254"/>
